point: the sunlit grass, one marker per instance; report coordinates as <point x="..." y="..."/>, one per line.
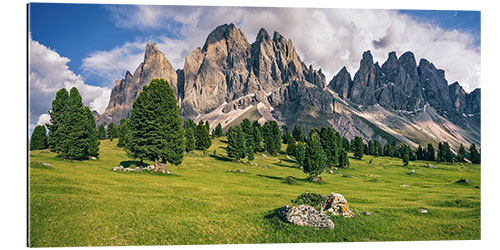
<point x="87" y="204"/>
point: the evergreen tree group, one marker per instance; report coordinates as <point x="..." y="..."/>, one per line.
<point x="72" y="129"/>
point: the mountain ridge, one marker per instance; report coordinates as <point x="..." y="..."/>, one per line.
<point x="228" y="76"/>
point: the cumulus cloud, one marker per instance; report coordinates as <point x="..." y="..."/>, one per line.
<point x="49" y="72"/>
<point x="327" y="38"/>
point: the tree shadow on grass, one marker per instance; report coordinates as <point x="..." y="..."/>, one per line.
<point x="127" y="164"/>
<point x="288" y="160"/>
<point x="220" y="157"/>
<point x="270" y="177"/>
<point x="283" y="165"/>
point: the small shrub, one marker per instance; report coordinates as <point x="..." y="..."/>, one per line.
<point x="312" y="199"/>
<point x="290" y="180"/>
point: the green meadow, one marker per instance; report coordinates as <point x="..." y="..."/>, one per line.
<point x="87" y="204"/>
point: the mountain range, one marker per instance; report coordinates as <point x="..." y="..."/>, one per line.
<point x="229" y="79"/>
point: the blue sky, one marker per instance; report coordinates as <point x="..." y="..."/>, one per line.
<point x="91" y="46"/>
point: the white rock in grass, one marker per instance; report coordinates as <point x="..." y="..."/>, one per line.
<point x="305" y="215"/>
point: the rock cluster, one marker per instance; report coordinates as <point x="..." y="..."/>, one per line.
<point x="150" y="168"/>
<point x="337" y="205"/>
<point x="305" y="215"/>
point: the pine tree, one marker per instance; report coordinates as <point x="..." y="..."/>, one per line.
<point x="272" y="137"/>
<point x="474" y="154"/>
<point x="313" y="131"/>
<point x="286" y="134"/>
<point x="112" y="131"/>
<point x="156" y="126"/>
<point x="190" y="139"/>
<point x="297" y="134"/>
<point x="250" y="153"/>
<point x="420" y="153"/>
<point x="440" y="152"/>
<point x="461" y="153"/>
<point x="58" y="113"/>
<point x="257" y="136"/>
<point x="123" y="133"/>
<point x="208" y="127"/>
<point x="448" y="155"/>
<point x="236" y="143"/>
<point x="218" y="131"/>
<point x="300" y="154"/>
<point x="358" y="147"/>
<point x="101" y="131"/>
<point x="343" y="159"/>
<point x="431" y="155"/>
<point x="405" y="154"/>
<point x="39" y="138"/>
<point x="371" y="148"/>
<point x="315" y="162"/>
<point x="93" y="137"/>
<point x="330" y="147"/>
<point x="378" y="148"/>
<point x="247" y="129"/>
<point x="345" y="144"/>
<point x="203" y="140"/>
<point x="291" y="147"/>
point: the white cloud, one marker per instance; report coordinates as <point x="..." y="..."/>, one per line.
<point x="49" y="72"/>
<point x="327" y="38"/>
<point x="43" y="119"/>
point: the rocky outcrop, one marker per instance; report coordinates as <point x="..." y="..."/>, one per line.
<point x="126" y="90"/>
<point x="337" y="205"/>
<point x="304" y="215"/>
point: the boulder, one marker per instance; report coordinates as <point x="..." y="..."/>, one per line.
<point x="240" y="171"/>
<point x="337" y="205"/>
<point x="45" y="164"/>
<point x="423" y="210"/>
<point x="92" y="158"/>
<point x="412" y="171"/>
<point x="305" y="215"/>
<point x="118" y="168"/>
<point x="137" y="169"/>
<point x="404" y="186"/>
<point x="330" y="171"/>
<point x="366" y="213"/>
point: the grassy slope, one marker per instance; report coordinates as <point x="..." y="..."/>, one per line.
<point x="87" y="204"/>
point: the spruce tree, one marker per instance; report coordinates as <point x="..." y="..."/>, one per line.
<point x="190" y="139"/>
<point x="39" y="138"/>
<point x="431" y="155"/>
<point x="345" y="144"/>
<point x="461" y="153"/>
<point x="371" y="148"/>
<point x="112" y="131"/>
<point x="203" y="140"/>
<point x="405" y="154"/>
<point x="297" y="134"/>
<point x="257" y="136"/>
<point x="343" y="159"/>
<point x="123" y="133"/>
<point x="300" y="154"/>
<point x="420" y="153"/>
<point x="101" y="132"/>
<point x="315" y="162"/>
<point x="291" y="147"/>
<point x="236" y="143"/>
<point x="286" y="134"/>
<point x="330" y="147"/>
<point x="448" y="155"/>
<point x="156" y="131"/>
<point x="474" y="154"/>
<point x="218" y="131"/>
<point x="208" y="127"/>
<point x="313" y="131"/>
<point x="250" y="153"/>
<point x="58" y="113"/>
<point x="272" y="137"/>
<point x="93" y="137"/>
<point x="247" y="129"/>
<point x="378" y="148"/>
<point x="358" y="147"/>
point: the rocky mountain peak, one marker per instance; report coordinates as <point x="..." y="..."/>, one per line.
<point x="262" y="35"/>
<point x="151" y="50"/>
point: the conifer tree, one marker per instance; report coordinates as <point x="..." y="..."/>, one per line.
<point x="371" y="148"/>
<point x="448" y="155"/>
<point x="474" y="154"/>
<point x="291" y="147"/>
<point x="378" y="148"/>
<point x="420" y="153"/>
<point x="405" y="154"/>
<point x="272" y="137"/>
<point x="123" y="133"/>
<point x="236" y="143"/>
<point x="257" y="136"/>
<point x="343" y="159"/>
<point x="93" y="140"/>
<point x="203" y="140"/>
<point x="286" y="134"/>
<point x="156" y="125"/>
<point x="101" y="132"/>
<point x="218" y="131"/>
<point x="345" y="144"/>
<point x="461" y="153"/>
<point x="39" y="138"/>
<point x="112" y="131"/>
<point x="250" y="153"/>
<point x="208" y="127"/>
<point x="247" y="129"/>
<point x="330" y="147"/>
<point x="431" y="155"/>
<point x="57" y="113"/>
<point x="313" y="131"/>
<point x="190" y="139"/>
<point x="297" y="134"/>
<point x="358" y="147"/>
<point x="300" y="154"/>
<point x="315" y="162"/>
